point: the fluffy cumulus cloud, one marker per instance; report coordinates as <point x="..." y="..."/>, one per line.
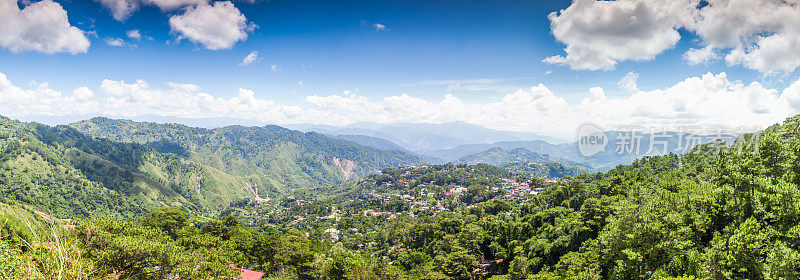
<point x="40" y="99"/>
<point x="707" y="100"/>
<point x="40" y="26"/>
<point x="216" y="26"/>
<point x="762" y="35"/>
<point x="599" y="34"/>
<point x="123" y="9"/>
<point x="188" y="100"/>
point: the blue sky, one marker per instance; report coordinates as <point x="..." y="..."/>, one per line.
<point x="476" y="51"/>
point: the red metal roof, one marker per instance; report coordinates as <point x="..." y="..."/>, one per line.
<point x="247" y="274"/>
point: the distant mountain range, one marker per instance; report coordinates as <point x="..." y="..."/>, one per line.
<point x="622" y="147"/>
<point x="193" y="122"/>
<point x="455" y="142"/>
<point x="420" y="137"/>
<point x="374" y="142"/>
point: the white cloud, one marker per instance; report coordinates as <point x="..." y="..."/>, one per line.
<point x="40" y="26"/>
<point x="114" y="42"/>
<point x="182" y="100"/>
<point x="599" y="34"/>
<point x="134" y="34"/>
<point x="169" y="5"/>
<point x="40" y="99"/>
<point x="250" y="59"/>
<point x="121" y="10"/>
<point x="379" y="27"/>
<point x="708" y="100"/>
<point x="700" y="56"/>
<point x="218" y="26"/>
<point x="762" y="35"/>
<point x="118" y="42"/>
<point x="629" y="82"/>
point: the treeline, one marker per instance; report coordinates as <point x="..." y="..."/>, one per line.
<point x="169" y="244"/>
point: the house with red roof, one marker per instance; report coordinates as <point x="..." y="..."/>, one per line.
<point x="247" y="274"/>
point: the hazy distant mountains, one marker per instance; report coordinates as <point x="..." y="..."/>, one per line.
<point x="374" y="142"/>
<point x="193" y="122"/>
<point x="621" y="148"/>
<point x="420" y="137"/>
<point x="466" y="143"/>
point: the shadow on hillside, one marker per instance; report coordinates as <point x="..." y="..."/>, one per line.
<point x="166" y="146"/>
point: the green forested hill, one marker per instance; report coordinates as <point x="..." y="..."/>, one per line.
<point x="67" y="173"/>
<point x="524" y="160"/>
<point x="499" y="156"/>
<point x="288" y="158"/>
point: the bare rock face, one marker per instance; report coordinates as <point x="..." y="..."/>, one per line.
<point x="346" y="167"/>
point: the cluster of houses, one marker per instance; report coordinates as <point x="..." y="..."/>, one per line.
<point x="517" y="190"/>
<point x="426" y="197"/>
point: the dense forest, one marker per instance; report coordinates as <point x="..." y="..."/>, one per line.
<point x="722" y="211"/>
<point x="69" y="174"/>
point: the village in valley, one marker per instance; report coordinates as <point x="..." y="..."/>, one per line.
<point x="407" y="193"/>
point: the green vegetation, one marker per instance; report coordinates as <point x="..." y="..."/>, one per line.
<point x="499" y="156"/>
<point x="73" y="175"/>
<point x="545" y="169"/>
<point x="523" y="160"/>
<point x="719" y="212"/>
<point x="289" y="159"/>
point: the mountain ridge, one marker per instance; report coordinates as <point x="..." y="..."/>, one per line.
<point x="290" y="158"/>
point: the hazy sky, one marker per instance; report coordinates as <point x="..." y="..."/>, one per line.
<point x="540" y="66"/>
